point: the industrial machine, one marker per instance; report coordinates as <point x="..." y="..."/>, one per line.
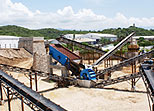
<point x="79" y="70"/>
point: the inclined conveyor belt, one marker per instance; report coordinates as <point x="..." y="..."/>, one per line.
<point x="110" y="53"/>
<point x="87" y="47"/>
<point x="118" y="79"/>
<point x="124" y="63"/>
<point x="149" y="76"/>
<point x="34" y="97"/>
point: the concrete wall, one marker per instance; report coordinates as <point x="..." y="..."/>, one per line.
<point x="27" y="43"/>
<point x="40" y="56"/>
<point x="36" y="47"/>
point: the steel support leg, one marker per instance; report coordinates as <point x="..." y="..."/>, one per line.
<point x="133" y="71"/>
<point x="107" y="62"/>
<point x="1" y="94"/>
<point x="22" y="103"/>
<point x="50" y="61"/>
<point x="88" y="58"/>
<point x="132" y="87"/>
<point x="9" y="100"/>
<point x="30" y="80"/>
<point x="93" y="57"/>
<point x="133" y="84"/>
<point x="36" y="82"/>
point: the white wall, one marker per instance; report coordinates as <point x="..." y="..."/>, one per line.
<point x="9" y="42"/>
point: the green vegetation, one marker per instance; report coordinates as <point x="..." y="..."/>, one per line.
<point x="143" y="42"/>
<point x="50" y="33"/>
<point x="103" y="41"/>
<point x="17" y="31"/>
<point x="123" y="49"/>
<point x="123" y="32"/>
<point x="13" y="30"/>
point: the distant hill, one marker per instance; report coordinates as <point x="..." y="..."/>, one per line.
<point x="123" y="32"/>
<point x="50" y="33"/>
<point x="13" y="30"/>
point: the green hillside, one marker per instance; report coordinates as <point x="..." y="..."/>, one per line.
<point x="50" y="33"/>
<point x="123" y="32"/>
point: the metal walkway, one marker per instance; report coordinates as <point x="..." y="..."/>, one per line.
<point x="87" y="47"/>
<point x="31" y="97"/>
<point x="118" y="80"/>
<point x="124" y="63"/>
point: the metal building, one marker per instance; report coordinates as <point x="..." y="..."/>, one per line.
<point x="91" y="38"/>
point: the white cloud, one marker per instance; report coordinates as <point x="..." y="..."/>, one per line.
<point x="85" y="19"/>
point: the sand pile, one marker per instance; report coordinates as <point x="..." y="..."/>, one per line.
<point x="16" y="57"/>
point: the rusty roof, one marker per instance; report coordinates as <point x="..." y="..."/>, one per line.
<point x="65" y="51"/>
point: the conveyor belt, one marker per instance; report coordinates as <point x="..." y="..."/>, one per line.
<point x="118" y="80"/>
<point x="110" y="53"/>
<point x="59" y="79"/>
<point x="124" y="63"/>
<point x="148" y="79"/>
<point x="87" y="47"/>
<point x="4" y="67"/>
<point x="148" y="76"/>
<point x="40" y="101"/>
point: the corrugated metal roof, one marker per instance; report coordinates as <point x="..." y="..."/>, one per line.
<point x="65" y="51"/>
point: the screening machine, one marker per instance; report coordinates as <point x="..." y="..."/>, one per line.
<point x="57" y="52"/>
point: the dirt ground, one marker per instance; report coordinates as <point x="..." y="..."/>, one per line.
<point x="116" y="97"/>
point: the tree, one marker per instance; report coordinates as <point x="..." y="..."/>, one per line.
<point x="141" y="39"/>
<point x="104" y="41"/>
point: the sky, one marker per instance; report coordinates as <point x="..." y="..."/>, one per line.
<point x="77" y="14"/>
